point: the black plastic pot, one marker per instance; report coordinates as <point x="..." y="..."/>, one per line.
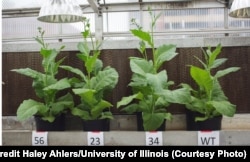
<point x="96" y="125"/>
<point x="57" y="125"/>
<point x="209" y="124"/>
<point x="140" y="123"/>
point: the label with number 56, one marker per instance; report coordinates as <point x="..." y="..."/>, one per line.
<point x="39" y="138"/>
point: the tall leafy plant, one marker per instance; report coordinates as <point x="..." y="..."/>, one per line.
<point x="209" y="98"/>
<point x="94" y="83"/>
<point x="46" y="85"/>
<point x="150" y="84"/>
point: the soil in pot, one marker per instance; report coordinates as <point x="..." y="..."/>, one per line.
<point x="140" y="123"/>
<point x="209" y="124"/>
<point x="57" y="125"/>
<point x="96" y="125"/>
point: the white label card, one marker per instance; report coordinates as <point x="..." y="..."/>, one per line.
<point x="39" y="138"/>
<point x="208" y="138"/>
<point x="95" y="139"/>
<point x="154" y="138"/>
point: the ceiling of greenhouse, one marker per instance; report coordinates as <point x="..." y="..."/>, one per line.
<point x="14" y="4"/>
<point x="179" y="18"/>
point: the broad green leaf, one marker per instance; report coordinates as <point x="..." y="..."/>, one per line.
<point x="60" y="106"/>
<point x="49" y="118"/>
<point x="152" y="121"/>
<point x="138" y="81"/>
<point x="28" y="108"/>
<point x="97" y="67"/>
<point x="83" y="48"/>
<point x="131" y="108"/>
<point x="158" y="81"/>
<point x="28" y="72"/>
<point x="81" y="113"/>
<point x="218" y="62"/>
<point x="180" y="96"/>
<point x="91" y="61"/>
<point x="224" y="72"/>
<point x="104" y="80"/>
<point x="213" y="55"/>
<point x="202" y="78"/>
<point x="141" y="66"/>
<point x="60" y="85"/>
<point x="57" y="64"/>
<point x="161" y="102"/>
<point x="217" y="92"/>
<point x="74" y="70"/>
<point x="164" y="53"/>
<point x="224" y="107"/>
<point x="49" y="60"/>
<point x="107" y="115"/>
<point x="127" y="100"/>
<point x="86" y="95"/>
<point x="196" y="104"/>
<point x="145" y="36"/>
<point x="62" y="103"/>
<point x="67" y="97"/>
<point x="97" y="110"/>
<point x="83" y="57"/>
<point x="200" y="119"/>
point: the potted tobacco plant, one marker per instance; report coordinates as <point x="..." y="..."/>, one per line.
<point x="50" y="109"/>
<point x="208" y="103"/>
<point x="152" y="94"/>
<point x="91" y="84"/>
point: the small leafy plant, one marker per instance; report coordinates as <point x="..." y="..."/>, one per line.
<point x="93" y="85"/>
<point x="150" y="85"/>
<point x="209" y="99"/>
<point x="46" y="86"/>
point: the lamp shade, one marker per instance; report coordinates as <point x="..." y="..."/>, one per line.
<point x="240" y="9"/>
<point x="60" y="11"/>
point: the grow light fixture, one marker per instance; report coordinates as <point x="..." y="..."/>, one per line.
<point x="60" y="11"/>
<point x="240" y="9"/>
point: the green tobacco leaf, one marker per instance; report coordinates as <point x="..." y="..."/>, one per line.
<point x="224" y="107"/>
<point x="74" y="70"/>
<point x="28" y="72"/>
<point x="57" y="64"/>
<point x="218" y="62"/>
<point x="224" y="72"/>
<point x="91" y="61"/>
<point x="138" y="81"/>
<point x="130" y="109"/>
<point x="158" y="81"/>
<point x="49" y="118"/>
<point x="97" y="110"/>
<point x="145" y="36"/>
<point x="141" y="66"/>
<point x="152" y="121"/>
<point x="60" y="85"/>
<point x="202" y="78"/>
<point x="180" y="96"/>
<point x="48" y="58"/>
<point x="81" y="113"/>
<point x="164" y="53"/>
<point x="213" y="55"/>
<point x="83" y="48"/>
<point x="28" y="108"/>
<point x="86" y="95"/>
<point x="104" y="80"/>
<point x="107" y="115"/>
<point x="127" y="100"/>
<point x="62" y="103"/>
